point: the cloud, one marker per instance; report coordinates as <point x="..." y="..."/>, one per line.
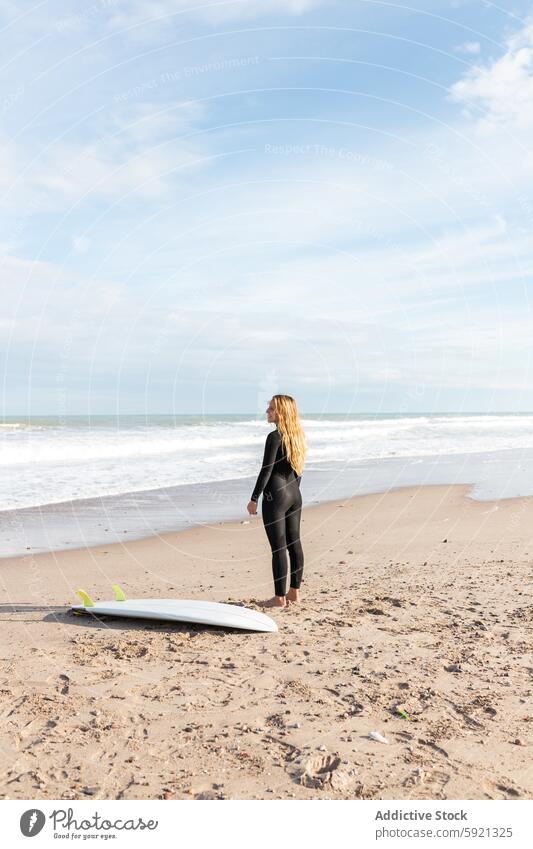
<point x="45" y="299"/>
<point x="502" y="89"/>
<point x="306" y="255"/>
<point x="315" y="321"/>
<point x="135" y="152"/>
<point x="470" y="47"/>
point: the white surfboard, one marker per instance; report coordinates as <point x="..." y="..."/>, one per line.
<point x="180" y="610"/>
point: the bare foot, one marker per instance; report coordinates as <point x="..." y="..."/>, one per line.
<point x="293" y="596"/>
<point x="275" y="601"/>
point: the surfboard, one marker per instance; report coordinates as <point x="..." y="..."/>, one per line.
<point x="178" y="610"/>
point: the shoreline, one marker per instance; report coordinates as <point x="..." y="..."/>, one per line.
<point x="466" y="491"/>
<point x="84" y="523"/>
<point x="414" y="600"/>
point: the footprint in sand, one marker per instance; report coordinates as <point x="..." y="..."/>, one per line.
<point x="323" y="771"/>
<point x="501" y="789"/>
<point x="427" y="784"/>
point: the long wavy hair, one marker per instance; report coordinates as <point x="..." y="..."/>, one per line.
<point x="291" y="431"/>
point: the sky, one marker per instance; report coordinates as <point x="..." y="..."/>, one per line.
<point x="206" y="203"/>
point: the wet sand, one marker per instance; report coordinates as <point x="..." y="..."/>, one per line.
<point x="89" y="522"/>
<point x="416" y="623"/>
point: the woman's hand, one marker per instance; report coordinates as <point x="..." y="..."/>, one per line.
<point x="252" y="508"/>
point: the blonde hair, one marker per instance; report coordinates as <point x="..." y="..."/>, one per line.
<point x="291" y="431"/>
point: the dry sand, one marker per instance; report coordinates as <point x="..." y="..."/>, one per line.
<point x="417" y="600"/>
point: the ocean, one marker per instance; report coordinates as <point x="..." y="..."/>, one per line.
<point x="46" y="460"/>
<point x="82" y="481"/>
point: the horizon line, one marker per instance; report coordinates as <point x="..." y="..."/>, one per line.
<point x="307" y="413"/>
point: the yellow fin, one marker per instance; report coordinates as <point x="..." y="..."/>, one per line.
<point x="87" y="600"/>
<point x="119" y="595"/>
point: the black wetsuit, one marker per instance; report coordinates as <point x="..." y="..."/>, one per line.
<point x="282" y="511"/>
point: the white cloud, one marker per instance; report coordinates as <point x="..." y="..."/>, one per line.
<point x="470" y="47"/>
<point x="502" y="89"/>
<point x="136" y="152"/>
<point x="314" y="319"/>
<point x="271" y="255"/>
<point x="44" y="298"/>
<point x="112" y="170"/>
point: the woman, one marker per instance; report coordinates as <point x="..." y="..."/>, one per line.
<point x="279" y="481"/>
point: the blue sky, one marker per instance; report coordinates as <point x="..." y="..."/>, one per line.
<point x="206" y="203"/>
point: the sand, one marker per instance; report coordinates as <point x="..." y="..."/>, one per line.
<point x="416" y="623"/>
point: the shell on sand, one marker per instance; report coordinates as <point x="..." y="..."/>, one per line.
<point x="379" y="738"/>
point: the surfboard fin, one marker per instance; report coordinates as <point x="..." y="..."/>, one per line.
<point x="87" y="600"/>
<point x="119" y="595"/>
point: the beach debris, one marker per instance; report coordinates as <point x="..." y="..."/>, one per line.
<point x="379" y="738"/>
<point x="519" y="742"/>
<point x="403" y="713"/>
<point x="245" y="522"/>
<point x="453" y="667"/>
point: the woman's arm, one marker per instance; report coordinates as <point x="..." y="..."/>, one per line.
<point x="269" y="458"/>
